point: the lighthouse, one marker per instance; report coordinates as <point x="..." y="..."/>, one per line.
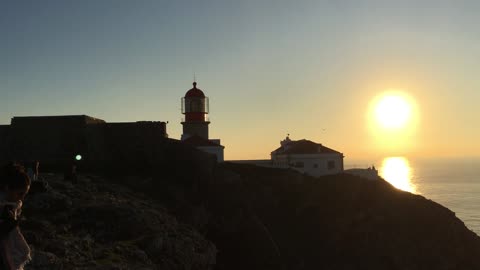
<point x="195" y="108"/>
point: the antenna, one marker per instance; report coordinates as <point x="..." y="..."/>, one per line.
<point x="194" y="77"/>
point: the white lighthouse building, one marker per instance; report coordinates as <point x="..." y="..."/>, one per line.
<point x="195" y="107"/>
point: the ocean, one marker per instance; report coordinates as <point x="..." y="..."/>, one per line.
<point x="453" y="183"/>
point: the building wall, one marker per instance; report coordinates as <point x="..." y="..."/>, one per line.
<point x="311" y="164"/>
<point x="308" y="161"/>
<point x="371" y="174"/>
<point x="51" y="139"/>
<point x="195" y="128"/>
<point x="216" y="150"/>
<point x="55" y="141"/>
<point x="259" y="162"/>
<point x="4" y="138"/>
<point x="132" y="140"/>
<point x="58" y="121"/>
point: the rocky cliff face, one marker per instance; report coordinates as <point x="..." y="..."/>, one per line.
<point x="183" y="212"/>
<point x="98" y="225"/>
<point x="345" y="222"/>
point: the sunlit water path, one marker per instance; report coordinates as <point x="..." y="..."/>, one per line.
<point x="398" y="172"/>
<point x="454" y="183"/>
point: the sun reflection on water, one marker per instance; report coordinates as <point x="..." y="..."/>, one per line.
<point x="397" y="171"/>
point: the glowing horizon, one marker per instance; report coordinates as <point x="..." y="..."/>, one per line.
<point x="311" y="69"/>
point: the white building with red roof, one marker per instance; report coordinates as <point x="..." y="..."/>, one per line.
<point x="307" y="157"/>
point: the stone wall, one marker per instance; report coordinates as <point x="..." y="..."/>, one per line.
<point x="52" y="121"/>
<point x="4" y="131"/>
<point x="133" y="141"/>
<point x="56" y="140"/>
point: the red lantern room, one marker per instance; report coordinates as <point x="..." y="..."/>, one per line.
<point x="195" y="109"/>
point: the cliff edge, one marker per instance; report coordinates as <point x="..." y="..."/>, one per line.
<point x="185" y="212"/>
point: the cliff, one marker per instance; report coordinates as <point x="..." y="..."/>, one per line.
<point x="181" y="211"/>
<point x="346" y="222"/>
<point x="98" y="225"/>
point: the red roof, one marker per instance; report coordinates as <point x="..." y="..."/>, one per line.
<point x="196" y="140"/>
<point x="304" y="147"/>
<point x="195" y="92"/>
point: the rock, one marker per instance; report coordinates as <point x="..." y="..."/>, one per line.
<point x="139" y="255"/>
<point x="57" y="247"/>
<point x="95" y="224"/>
<point x="39" y="187"/>
<point x="50" y="202"/>
<point x="185" y="250"/>
<point x="37" y="230"/>
<point x="42" y="260"/>
<point x="97" y="220"/>
<point x="258" y="218"/>
<point x="32" y="237"/>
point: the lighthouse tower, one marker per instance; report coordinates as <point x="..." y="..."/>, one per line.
<point x="195" y="123"/>
<point x="195" y="109"/>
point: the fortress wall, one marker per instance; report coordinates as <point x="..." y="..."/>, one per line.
<point x="127" y="141"/>
<point x="50" y="139"/>
<point x="96" y="150"/>
<point x="55" y="141"/>
<point x="50" y="121"/>
<point x="4" y="138"/>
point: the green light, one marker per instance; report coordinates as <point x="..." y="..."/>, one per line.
<point x="78" y="157"/>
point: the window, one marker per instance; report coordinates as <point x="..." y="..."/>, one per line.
<point x="331" y="165"/>
<point x="195" y="106"/>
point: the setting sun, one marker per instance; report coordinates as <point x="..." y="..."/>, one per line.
<point x="393" y="118"/>
<point x="392" y="111"/>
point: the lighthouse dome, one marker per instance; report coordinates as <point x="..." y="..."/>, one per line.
<point x="195" y="92"/>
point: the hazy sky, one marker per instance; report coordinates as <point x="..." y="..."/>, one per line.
<point x="308" y="68"/>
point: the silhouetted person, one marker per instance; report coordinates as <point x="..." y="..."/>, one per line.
<point x="71" y="173"/>
<point x="36" y="166"/>
<point x="14" y="185"/>
<point x="31" y="168"/>
<point x="38" y="184"/>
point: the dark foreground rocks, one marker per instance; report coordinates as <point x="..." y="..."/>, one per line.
<point x="342" y="222"/>
<point x="241" y="217"/>
<point x="99" y="225"/>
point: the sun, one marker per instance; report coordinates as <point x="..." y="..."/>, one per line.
<point x="393" y="111"/>
<point x="393" y="121"/>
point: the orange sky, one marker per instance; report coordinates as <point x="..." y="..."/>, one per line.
<point x="308" y="68"/>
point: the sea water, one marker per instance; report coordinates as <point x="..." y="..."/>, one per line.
<point x="453" y="183"/>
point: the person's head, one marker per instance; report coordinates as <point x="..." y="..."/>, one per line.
<point x="14" y="182"/>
